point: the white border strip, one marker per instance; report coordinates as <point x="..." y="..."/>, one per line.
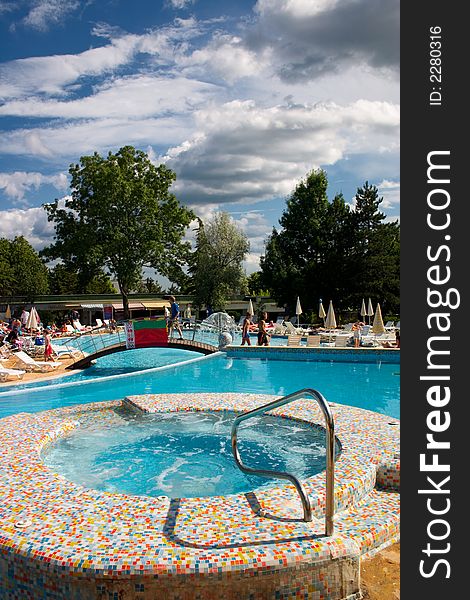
<point x="109" y="377"/>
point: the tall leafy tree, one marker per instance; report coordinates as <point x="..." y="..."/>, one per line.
<point x="23" y="272"/>
<point x="376" y="250"/>
<point x="328" y="250"/>
<point x="120" y="217"/>
<point x="62" y="280"/>
<point x="216" y="266"/>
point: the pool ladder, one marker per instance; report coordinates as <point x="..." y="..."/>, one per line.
<point x="330" y="453"/>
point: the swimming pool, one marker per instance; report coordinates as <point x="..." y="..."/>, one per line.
<point x="370" y="385"/>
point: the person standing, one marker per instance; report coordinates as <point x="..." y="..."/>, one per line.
<point x="356" y="329"/>
<point x="263" y="336"/>
<point x="48" y="344"/>
<point x="174" y="318"/>
<point x="246" y="330"/>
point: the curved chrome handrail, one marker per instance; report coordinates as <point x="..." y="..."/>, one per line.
<point x="330" y="453"/>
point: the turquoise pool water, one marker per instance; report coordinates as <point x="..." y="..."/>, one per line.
<point x="373" y="386"/>
<point x="184" y="454"/>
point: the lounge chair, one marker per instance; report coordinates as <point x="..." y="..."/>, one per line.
<point x="294" y="339"/>
<point x="79" y="327"/>
<point x="70" y="329"/>
<point x="341" y="341"/>
<point x="6" y="374"/>
<point x="313" y="341"/>
<point x="65" y="351"/>
<point x="279" y="329"/>
<point x="389" y="325"/>
<point x="291" y="330"/>
<point x="29" y="364"/>
<point x="99" y="323"/>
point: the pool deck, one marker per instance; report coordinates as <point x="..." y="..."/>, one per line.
<point x="59" y="540"/>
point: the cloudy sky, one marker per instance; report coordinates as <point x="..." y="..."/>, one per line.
<point x="241" y="99"/>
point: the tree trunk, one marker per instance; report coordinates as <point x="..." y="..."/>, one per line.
<point x="125" y="300"/>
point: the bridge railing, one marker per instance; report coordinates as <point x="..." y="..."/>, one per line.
<point x="92" y="341"/>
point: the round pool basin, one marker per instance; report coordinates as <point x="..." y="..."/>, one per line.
<point x="61" y="540"/>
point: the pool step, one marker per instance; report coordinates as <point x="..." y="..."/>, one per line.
<point x="373" y="523"/>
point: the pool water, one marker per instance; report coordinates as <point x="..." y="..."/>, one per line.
<point x="185" y="454"/>
<point x="373" y="386"/>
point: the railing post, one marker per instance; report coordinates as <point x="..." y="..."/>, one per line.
<point x="330" y="454"/>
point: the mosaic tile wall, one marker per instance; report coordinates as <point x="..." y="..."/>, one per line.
<point x="61" y="541"/>
<point x="370" y="355"/>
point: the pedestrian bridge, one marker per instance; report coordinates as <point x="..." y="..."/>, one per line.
<point x="87" y="346"/>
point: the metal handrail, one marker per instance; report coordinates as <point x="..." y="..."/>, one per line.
<point x="330" y="453"/>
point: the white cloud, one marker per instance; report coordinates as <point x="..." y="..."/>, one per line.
<point x="69" y="141"/>
<point x="51" y="75"/>
<point x="136" y="96"/>
<point x="390" y="191"/>
<point x="311" y="38"/>
<point x="246" y="153"/>
<point x="178" y="4"/>
<point x="16" y="185"/>
<point x="31" y="223"/>
<point x="45" y="13"/>
<point x="226" y="57"/>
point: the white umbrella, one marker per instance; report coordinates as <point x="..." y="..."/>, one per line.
<point x="187" y="312"/>
<point x="330" y="322"/>
<point x="321" y="312"/>
<point x="378" y="324"/>
<point x="370" y="309"/>
<point x="33" y="319"/>
<point x="363" y="310"/>
<point x="250" y="308"/>
<point x="298" y="311"/>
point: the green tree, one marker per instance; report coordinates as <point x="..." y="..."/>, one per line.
<point x="62" y="280"/>
<point x="326" y="250"/>
<point x="255" y="284"/>
<point x="22" y="271"/>
<point x="376" y="251"/>
<point x="216" y="265"/>
<point x="121" y="217"/>
<point x="7" y="276"/>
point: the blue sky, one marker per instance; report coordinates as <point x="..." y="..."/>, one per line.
<point x="241" y="99"/>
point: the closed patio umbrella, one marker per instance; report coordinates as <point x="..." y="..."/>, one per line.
<point x="330" y="322"/>
<point x="8" y="312"/>
<point x="298" y="310"/>
<point x="370" y="310"/>
<point x="33" y="319"/>
<point x="250" y="308"/>
<point x="378" y="324"/>
<point x="321" y="312"/>
<point x="363" y="310"/>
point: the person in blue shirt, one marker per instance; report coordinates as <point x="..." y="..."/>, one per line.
<point x="174" y="318"/>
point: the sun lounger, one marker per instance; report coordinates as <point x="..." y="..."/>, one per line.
<point x="290" y="329"/>
<point x="65" y="352"/>
<point x="29" y="364"/>
<point x="313" y="341"/>
<point x="6" y="374"/>
<point x="294" y="339"/>
<point x="341" y="341"/>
